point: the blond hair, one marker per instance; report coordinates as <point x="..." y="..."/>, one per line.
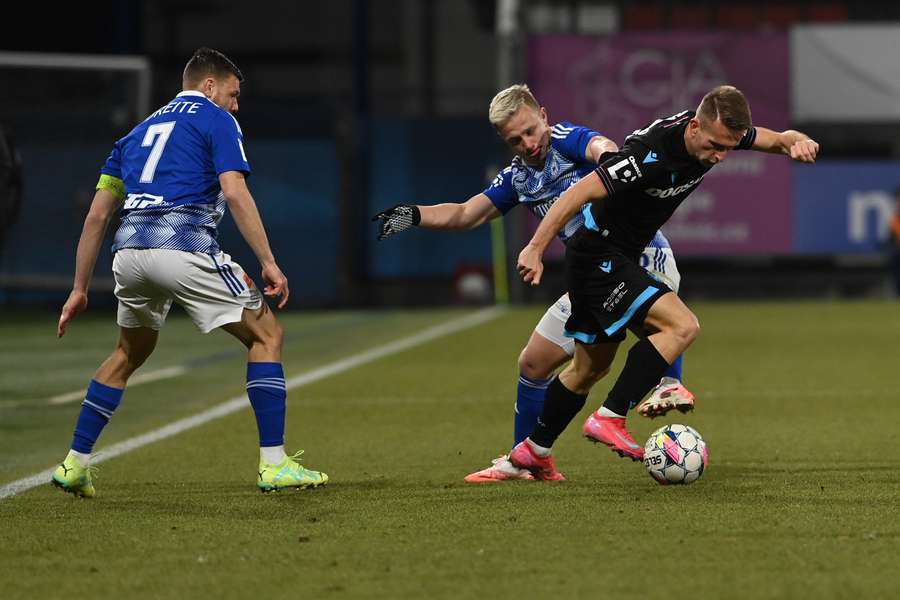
<point x="508" y="101"/>
<point x="727" y="104"/>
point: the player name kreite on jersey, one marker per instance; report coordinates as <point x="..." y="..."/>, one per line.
<point x="179" y="106"/>
<point x="672" y="191"/>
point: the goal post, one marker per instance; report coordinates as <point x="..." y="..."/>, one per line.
<point x="137" y="65"/>
<point x="60" y="112"/>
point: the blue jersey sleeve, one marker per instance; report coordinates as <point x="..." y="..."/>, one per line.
<point x="113" y="164"/>
<point x="501" y="191"/>
<point x="227" y="143"/>
<point x="571" y="140"/>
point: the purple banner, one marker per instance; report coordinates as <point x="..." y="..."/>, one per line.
<point x="620" y="83"/>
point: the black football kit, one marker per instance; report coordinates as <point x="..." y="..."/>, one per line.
<point x="645" y="181"/>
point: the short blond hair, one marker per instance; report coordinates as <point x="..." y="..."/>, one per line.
<point x="508" y="101"/>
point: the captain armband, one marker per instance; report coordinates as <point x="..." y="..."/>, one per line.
<point x="113" y="185"/>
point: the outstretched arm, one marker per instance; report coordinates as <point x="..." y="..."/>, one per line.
<point x="106" y="202"/>
<point x="246" y="216"/>
<point x="475" y="211"/>
<point x="795" y="144"/>
<point x="588" y="189"/>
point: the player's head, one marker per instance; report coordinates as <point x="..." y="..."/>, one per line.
<point x="211" y="72"/>
<point x="722" y="119"/>
<point x="522" y="123"/>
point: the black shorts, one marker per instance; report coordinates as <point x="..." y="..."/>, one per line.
<point x="609" y="291"/>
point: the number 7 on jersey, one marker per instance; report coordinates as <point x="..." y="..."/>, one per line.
<point x="159" y="132"/>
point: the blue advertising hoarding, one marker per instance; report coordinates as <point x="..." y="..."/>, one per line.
<point x="843" y="207"/>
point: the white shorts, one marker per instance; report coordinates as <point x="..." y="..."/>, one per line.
<point x="659" y="262"/>
<point x="211" y="288"/>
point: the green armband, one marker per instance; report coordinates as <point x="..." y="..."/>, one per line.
<point x="113" y="185"/>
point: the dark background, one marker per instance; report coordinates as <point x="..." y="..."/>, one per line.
<point x="348" y="107"/>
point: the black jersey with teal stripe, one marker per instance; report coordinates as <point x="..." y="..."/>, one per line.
<point x="646" y="180"/>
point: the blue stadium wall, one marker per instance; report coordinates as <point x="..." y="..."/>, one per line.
<point x="839" y="207"/>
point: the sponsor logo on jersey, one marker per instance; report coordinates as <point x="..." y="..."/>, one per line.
<point x="606" y="266"/>
<point x="134" y="201"/>
<point x="541" y="209"/>
<point x="672" y="191"/>
<point x="626" y="170"/>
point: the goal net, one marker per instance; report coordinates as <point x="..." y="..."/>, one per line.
<point x="59" y="116"/>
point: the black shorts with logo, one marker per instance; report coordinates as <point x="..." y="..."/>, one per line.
<point x="608" y="290"/>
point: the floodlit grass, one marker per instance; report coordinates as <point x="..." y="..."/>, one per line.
<point x="797" y="402"/>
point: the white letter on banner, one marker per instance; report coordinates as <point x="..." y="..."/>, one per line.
<point x="859" y="205"/>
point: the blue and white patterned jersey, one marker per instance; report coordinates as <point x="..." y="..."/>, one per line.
<point x="170" y="165"/>
<point x="659" y="241"/>
<point x="539" y="188"/>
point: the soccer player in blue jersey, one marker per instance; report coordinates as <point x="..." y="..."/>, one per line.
<point x="172" y="177"/>
<point x="548" y="160"/>
<point x="624" y="202"/>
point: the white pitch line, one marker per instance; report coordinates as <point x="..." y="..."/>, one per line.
<point x="239" y="402"/>
<point x="166" y="373"/>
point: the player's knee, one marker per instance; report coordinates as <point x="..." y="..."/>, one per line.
<point x="531" y="367"/>
<point x="687" y="329"/>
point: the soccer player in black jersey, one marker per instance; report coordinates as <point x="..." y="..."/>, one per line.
<point x="624" y="201"/>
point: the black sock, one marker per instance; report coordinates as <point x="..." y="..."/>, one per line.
<point x="560" y="407"/>
<point x="643" y="368"/>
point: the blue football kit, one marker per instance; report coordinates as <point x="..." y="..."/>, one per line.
<point x="538" y="188"/>
<point x="166" y="171"/>
<point x="170" y="165"/>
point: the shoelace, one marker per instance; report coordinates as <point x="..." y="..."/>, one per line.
<point x="500" y="458"/>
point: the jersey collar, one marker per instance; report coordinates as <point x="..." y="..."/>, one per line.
<point x="191" y="93"/>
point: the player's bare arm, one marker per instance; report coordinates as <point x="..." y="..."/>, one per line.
<point x="475" y="211"/>
<point x="598" y="146"/>
<point x="797" y="145"/>
<point x="246" y="216"/>
<point x="105" y="204"/>
<point x="588" y="189"/>
<point x="451" y="216"/>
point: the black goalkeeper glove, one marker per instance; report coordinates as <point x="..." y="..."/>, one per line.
<point x="396" y="219"/>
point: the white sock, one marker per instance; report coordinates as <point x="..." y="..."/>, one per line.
<point x="84" y="459"/>
<point x="272" y="455"/>
<point x="605" y="412"/>
<point x="539" y="450"/>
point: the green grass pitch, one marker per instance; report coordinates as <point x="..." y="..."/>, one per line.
<point x="797" y="401"/>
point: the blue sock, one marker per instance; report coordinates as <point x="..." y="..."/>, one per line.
<point x="674" y="369"/>
<point x="267" y="392"/>
<point x="100" y="402"/>
<point x="529" y="405"/>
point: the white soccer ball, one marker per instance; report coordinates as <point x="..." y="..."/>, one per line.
<point x="675" y="454"/>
